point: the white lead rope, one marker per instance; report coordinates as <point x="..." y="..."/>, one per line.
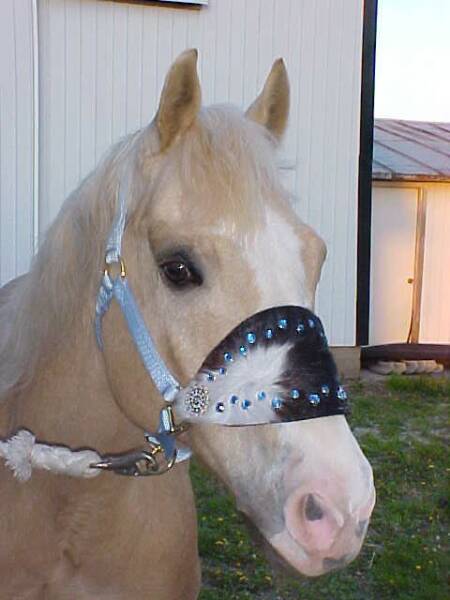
<point x="22" y="454"/>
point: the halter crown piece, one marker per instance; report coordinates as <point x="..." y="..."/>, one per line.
<point x="274" y="367"/>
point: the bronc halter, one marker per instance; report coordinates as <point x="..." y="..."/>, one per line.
<point x="295" y="376"/>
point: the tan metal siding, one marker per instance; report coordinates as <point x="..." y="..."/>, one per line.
<point x="102" y="65"/>
<point x="16" y="138"/>
<point x="435" y="310"/>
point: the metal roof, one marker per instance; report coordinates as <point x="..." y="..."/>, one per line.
<point x="411" y="150"/>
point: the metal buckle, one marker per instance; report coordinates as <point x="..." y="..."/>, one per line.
<point x="140" y="463"/>
<point x="159" y="459"/>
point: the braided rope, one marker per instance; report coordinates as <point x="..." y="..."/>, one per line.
<point x="22" y="454"/>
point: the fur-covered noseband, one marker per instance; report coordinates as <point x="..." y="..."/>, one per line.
<point x="275" y="366"/>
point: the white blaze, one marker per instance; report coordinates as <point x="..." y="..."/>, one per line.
<point x="275" y="258"/>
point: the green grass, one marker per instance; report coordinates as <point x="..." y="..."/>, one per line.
<point x="438" y="386"/>
<point x="401" y="428"/>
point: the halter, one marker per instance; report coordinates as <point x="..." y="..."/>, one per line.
<point x="296" y="331"/>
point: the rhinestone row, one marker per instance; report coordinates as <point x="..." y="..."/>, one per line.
<point x="269" y="334"/>
<point x="313" y="398"/>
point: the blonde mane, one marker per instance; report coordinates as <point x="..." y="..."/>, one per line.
<point x="224" y="151"/>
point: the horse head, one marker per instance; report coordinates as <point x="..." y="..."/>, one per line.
<point x="210" y="242"/>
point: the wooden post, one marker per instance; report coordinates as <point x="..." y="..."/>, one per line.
<point x="414" y="331"/>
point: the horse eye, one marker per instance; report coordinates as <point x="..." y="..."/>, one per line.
<point x="179" y="274"/>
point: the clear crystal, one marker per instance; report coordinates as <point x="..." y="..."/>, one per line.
<point x="314" y="399"/>
<point x="251" y="337"/>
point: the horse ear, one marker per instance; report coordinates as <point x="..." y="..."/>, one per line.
<point x="180" y="98"/>
<point x="271" y="107"/>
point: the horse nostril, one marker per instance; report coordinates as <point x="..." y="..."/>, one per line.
<point x="313" y="511"/>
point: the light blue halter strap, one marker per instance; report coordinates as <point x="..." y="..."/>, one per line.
<point x="118" y="287"/>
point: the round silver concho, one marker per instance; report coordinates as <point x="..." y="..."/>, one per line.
<point x="197" y="401"/>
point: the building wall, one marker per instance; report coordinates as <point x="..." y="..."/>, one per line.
<point x="16" y="137"/>
<point x="102" y="65"/>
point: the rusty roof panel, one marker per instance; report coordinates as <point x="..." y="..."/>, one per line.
<point x="411" y="150"/>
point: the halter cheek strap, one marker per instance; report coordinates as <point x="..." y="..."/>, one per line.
<point x="23" y="453"/>
<point x="119" y="288"/>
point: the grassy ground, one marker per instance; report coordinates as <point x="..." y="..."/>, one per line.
<point x="401" y="427"/>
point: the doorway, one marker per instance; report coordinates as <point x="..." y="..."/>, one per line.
<point x="393" y="256"/>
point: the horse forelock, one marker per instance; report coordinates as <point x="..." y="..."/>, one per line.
<point x="226" y="166"/>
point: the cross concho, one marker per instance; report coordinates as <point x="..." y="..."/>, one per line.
<point x="197" y="401"/>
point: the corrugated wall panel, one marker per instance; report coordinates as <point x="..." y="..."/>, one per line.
<point x="16" y="138"/>
<point x="435" y="310"/>
<point x="103" y="64"/>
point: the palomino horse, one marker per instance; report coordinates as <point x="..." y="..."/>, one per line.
<point x="210" y="240"/>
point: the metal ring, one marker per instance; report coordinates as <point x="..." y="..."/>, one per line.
<point x="120" y="262"/>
